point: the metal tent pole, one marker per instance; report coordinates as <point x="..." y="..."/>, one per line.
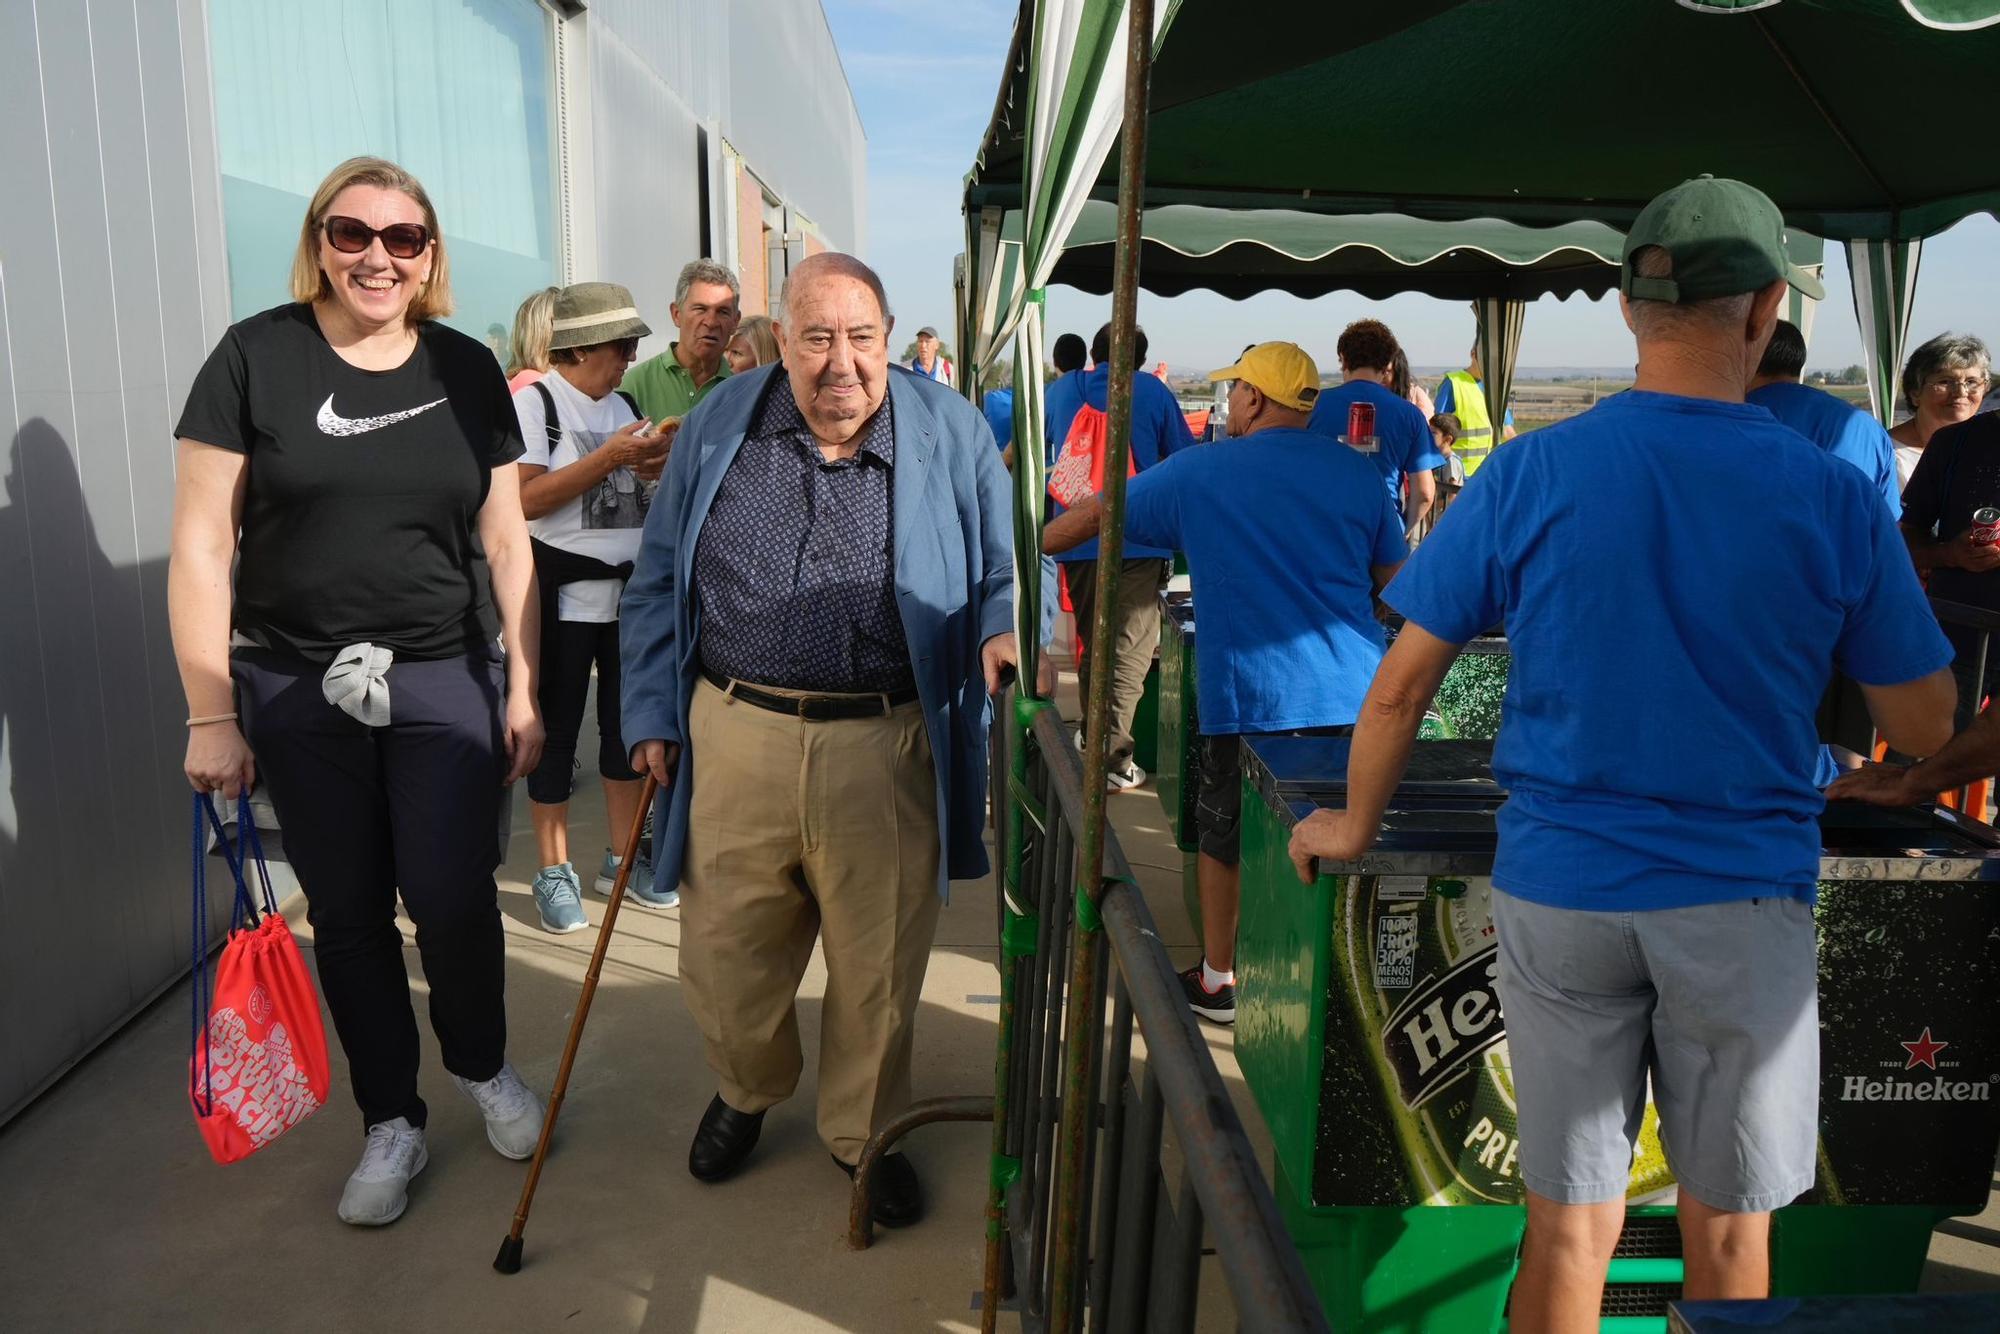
<point x="1083" y="1036"/>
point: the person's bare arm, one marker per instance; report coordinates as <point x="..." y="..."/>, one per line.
<point x="210" y="483"/>
<point x="504" y="534"/>
<point x="1972" y="754"/>
<point x="1960" y="553"/>
<point x="1915" y="717"/>
<point x="1073" y="527"/>
<point x="1403" y="688"/>
<point x="1423" y="492"/>
<point x="1380" y="575"/>
<point x="544" y="490"/>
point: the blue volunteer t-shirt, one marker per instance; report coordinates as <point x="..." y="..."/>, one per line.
<point x="1406" y="444"/>
<point x="1158" y="429"/>
<point x="1280" y="529"/>
<point x="1059" y="404"/>
<point x="1672" y="631"/>
<point x="999" y="409"/>
<point x="1839" y="428"/>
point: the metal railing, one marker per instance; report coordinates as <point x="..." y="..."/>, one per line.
<point x="1088" y="1226"/>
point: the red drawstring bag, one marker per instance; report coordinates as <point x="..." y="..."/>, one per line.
<point x="258" y="1065"/>
<point x="1079" y="468"/>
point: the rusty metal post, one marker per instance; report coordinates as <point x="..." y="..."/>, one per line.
<point x="1079" y="1105"/>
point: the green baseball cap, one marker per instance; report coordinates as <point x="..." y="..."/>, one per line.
<point x="1725" y="238"/>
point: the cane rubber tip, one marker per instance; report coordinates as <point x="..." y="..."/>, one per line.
<point x="509" y="1259"/>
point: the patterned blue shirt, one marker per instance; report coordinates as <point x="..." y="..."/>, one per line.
<point x="794" y="573"/>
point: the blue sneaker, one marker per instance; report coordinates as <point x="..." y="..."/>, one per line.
<point x="559" y="899"/>
<point x="639" y="888"/>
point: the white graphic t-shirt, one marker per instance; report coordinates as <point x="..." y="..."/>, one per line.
<point x="605" y="521"/>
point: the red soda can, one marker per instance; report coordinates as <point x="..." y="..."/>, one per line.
<point x="1361" y="427"/>
<point x="1985" y="526"/>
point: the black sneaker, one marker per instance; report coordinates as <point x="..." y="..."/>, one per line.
<point x="1218" y="1007"/>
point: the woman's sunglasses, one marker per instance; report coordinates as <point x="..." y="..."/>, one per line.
<point x="351" y="236"/>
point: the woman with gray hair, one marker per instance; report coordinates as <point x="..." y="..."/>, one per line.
<point x="587" y="479"/>
<point x="1944" y="380"/>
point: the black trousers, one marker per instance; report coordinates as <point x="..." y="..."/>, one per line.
<point x="569" y="650"/>
<point x="368" y="811"/>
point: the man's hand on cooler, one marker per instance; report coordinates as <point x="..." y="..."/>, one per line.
<point x="1333" y="835"/>
<point x="1879" y="785"/>
<point x="995" y="656"/>
<point x="658" y="758"/>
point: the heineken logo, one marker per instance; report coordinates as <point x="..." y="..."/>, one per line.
<point x="1860" y="1088"/>
<point x="1921" y="1050"/>
<point x="1442" y="1026"/>
<point x="1924" y="1051"/>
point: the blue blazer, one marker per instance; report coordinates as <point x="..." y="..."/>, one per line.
<point x="954" y="554"/>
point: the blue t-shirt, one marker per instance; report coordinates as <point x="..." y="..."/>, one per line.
<point x="1673" y="628"/>
<point x="1406" y="444"/>
<point x="1839" y="428"/>
<point x="1059" y="404"/>
<point x="1158" y="429"/>
<point x="999" y="407"/>
<point x="1280" y="529"/>
<point x="1446" y="400"/>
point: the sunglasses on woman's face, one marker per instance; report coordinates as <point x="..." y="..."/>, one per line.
<point x="351" y="236"/>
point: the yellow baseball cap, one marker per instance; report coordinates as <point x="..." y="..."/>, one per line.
<point x="1283" y="371"/>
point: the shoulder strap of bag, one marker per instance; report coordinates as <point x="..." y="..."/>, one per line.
<point x="630" y="402"/>
<point x="202" y="993"/>
<point x="551" y="424"/>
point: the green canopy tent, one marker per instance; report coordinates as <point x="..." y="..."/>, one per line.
<point x="1349" y="107"/>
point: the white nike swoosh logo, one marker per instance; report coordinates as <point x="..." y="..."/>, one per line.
<point x="332" y="423"/>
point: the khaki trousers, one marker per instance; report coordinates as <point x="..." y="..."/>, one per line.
<point x="801" y="830"/>
<point x="1136" y="622"/>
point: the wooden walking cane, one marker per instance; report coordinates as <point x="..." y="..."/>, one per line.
<point x="509" y="1259"/>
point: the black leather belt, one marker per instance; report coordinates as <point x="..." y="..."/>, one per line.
<point x="813" y="708"/>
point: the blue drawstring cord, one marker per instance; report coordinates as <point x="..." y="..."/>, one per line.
<point x="242" y="912"/>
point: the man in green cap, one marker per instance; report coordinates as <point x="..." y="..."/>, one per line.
<point x="1672" y="626"/>
<point x="708" y="305"/>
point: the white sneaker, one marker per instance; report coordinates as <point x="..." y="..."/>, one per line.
<point x="380" y="1187"/>
<point x="1121" y="780"/>
<point x="513" y="1114"/>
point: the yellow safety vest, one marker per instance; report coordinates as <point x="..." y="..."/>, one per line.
<point x="1475" y="436"/>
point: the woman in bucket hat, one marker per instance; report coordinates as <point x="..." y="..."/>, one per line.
<point x="586" y="480"/>
<point x="353" y="458"/>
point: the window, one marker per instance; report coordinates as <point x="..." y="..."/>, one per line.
<point x="456" y="91"/>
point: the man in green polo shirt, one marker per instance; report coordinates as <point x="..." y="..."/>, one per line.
<point x="707" y="307"/>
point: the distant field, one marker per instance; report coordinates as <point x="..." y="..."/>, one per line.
<point x="1538" y="403"/>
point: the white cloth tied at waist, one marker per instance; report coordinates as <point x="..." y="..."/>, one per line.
<point x="357" y="683"/>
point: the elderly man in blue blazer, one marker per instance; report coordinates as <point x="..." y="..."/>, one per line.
<point x="821" y="607"/>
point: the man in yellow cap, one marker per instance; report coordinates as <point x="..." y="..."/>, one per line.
<point x="1288" y="534"/>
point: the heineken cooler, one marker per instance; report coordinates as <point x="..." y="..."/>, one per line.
<point x="1368" y="1030"/>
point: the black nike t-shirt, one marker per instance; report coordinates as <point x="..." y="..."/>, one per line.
<point x="360" y="522"/>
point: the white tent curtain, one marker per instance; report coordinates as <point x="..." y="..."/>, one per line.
<point x="1885" y="288"/>
<point x="1500" y="323"/>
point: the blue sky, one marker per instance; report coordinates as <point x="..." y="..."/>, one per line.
<point x="926" y="72"/>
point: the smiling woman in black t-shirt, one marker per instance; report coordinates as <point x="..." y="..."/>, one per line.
<point x="354" y="458"/>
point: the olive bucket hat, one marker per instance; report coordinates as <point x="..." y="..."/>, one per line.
<point x="587" y="314"/>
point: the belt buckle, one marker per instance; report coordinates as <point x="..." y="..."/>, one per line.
<point x="809" y="709"/>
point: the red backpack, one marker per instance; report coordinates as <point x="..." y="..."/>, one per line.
<point x="1079" y="469"/>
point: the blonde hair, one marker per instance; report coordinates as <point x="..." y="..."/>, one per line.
<point x="528" y="347"/>
<point x="756" y="331"/>
<point x="309" y="282"/>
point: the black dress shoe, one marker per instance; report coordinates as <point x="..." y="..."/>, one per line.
<point x="895" y="1197"/>
<point x="723" y="1140"/>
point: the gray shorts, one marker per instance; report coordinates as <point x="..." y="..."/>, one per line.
<point x="1718" y="1003"/>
